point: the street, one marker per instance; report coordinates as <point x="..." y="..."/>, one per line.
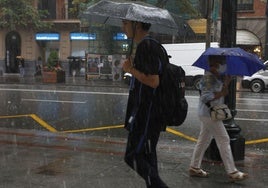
<point x="101" y="110"/>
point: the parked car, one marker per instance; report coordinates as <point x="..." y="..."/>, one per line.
<point x="258" y="82"/>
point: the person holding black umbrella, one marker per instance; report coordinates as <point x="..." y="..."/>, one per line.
<point x="213" y="90"/>
<point x="142" y="116"/>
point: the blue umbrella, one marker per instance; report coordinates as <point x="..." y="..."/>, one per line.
<point x="238" y="61"/>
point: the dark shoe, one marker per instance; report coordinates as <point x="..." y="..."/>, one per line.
<point x="156" y="183"/>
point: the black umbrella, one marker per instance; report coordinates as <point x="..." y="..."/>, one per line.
<point x="112" y="12"/>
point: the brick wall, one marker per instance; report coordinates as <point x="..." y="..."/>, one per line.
<point x="259" y="10"/>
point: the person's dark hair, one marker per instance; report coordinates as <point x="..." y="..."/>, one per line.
<point x="145" y="26"/>
<point x="213" y="59"/>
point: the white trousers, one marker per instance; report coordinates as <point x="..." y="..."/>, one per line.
<point x="216" y="129"/>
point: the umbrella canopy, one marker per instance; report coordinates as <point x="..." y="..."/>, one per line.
<point x="184" y="29"/>
<point x="238" y="61"/>
<point x="112" y="12"/>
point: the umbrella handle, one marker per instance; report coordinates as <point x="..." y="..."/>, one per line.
<point x="130" y="48"/>
<point x="227" y="79"/>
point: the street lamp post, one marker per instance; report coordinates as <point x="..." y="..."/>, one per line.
<point x="266" y="36"/>
<point x="228" y="40"/>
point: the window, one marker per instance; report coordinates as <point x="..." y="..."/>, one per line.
<point x="245" y="5"/>
<point x="50" y="6"/>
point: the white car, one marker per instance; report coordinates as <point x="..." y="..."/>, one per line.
<point x="258" y="82"/>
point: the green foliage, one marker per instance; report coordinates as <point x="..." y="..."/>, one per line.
<point x="53" y="59"/>
<point x="80" y="5"/>
<point x="53" y="63"/>
<point x="16" y="14"/>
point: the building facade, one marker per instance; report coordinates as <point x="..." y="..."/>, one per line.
<point x="33" y="46"/>
<point x="251" y="26"/>
<point x="69" y="38"/>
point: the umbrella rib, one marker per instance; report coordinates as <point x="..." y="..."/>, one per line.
<point x="106" y="20"/>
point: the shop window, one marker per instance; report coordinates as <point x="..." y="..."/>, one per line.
<point x="245" y="5"/>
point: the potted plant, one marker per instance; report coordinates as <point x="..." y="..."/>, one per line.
<point x="52" y="71"/>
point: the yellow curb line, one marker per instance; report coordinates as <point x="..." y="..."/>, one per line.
<point x="94" y="129"/>
<point x="172" y="131"/>
<point x="180" y="134"/>
<point x="34" y="117"/>
<point x="257" y="141"/>
<point x="14" y="116"/>
<point x="43" y="123"/>
<point x="193" y="139"/>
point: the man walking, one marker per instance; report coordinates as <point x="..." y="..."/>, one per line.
<point x="142" y="119"/>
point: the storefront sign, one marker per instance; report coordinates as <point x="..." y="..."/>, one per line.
<point x="47" y="36"/>
<point x="120" y="36"/>
<point x="82" y="36"/>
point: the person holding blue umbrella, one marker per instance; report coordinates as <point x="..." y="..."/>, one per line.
<point x="214" y="87"/>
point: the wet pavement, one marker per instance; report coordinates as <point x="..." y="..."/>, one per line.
<point x="39" y="158"/>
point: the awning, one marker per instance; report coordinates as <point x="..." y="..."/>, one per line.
<point x="244" y="37"/>
<point x="82" y="36"/>
<point x="199" y="26"/>
<point x="47" y="36"/>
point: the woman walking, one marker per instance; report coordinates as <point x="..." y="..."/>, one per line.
<point x="213" y="90"/>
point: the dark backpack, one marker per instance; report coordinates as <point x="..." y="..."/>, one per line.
<point x="172" y="103"/>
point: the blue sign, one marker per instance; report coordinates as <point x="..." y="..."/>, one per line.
<point x="120" y="36"/>
<point x="47" y="36"/>
<point x="83" y="36"/>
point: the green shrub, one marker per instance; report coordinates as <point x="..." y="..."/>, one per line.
<point x="53" y="59"/>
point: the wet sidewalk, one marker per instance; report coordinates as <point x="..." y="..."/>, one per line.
<point x="40" y="159"/>
<point x="35" y="159"/>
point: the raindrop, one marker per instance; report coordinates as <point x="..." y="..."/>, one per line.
<point x="64" y="184"/>
<point x="135" y="165"/>
<point x="15" y="139"/>
<point x="48" y="141"/>
<point x="161" y="165"/>
<point x="29" y="171"/>
<point x="12" y="123"/>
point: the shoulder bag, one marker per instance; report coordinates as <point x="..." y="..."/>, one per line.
<point x="219" y="112"/>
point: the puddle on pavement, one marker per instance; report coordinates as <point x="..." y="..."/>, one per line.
<point x="53" y="168"/>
